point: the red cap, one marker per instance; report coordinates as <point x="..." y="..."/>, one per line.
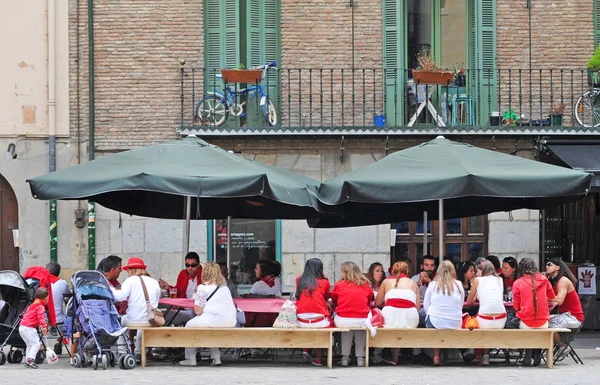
<point x="135" y="263"/>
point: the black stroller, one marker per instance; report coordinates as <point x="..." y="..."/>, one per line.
<point x="97" y="320"/>
<point x="17" y="294"/>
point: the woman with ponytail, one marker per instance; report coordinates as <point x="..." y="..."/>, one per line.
<point x="401" y="299"/>
<point x="531" y="293"/>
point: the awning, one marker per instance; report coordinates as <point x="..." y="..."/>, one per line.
<point x="582" y="157"/>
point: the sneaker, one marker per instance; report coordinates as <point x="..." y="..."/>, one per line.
<point x="537" y="357"/>
<point x="468" y="355"/>
<point x="30" y="363"/>
<point x="485" y="360"/>
<point x="390" y="361"/>
<point x="316" y="363"/>
<point x="564" y="353"/>
<point x="188" y="362"/>
<point x="377" y="359"/>
<point x="360" y="362"/>
<point x="345" y="361"/>
<point x="216" y="362"/>
<point x="306" y="355"/>
<point x="527" y="360"/>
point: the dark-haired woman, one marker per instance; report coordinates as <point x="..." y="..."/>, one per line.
<point x="267" y="272"/>
<point x="531" y="293"/>
<point x="376" y="276"/>
<point x="465" y="274"/>
<point x="312" y="293"/>
<point x="509" y="275"/>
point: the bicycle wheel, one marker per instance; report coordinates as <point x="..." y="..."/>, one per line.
<point x="212" y="110"/>
<point x="269" y="111"/>
<point x="587" y="109"/>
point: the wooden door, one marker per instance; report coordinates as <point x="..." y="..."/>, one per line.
<point x="9" y="220"/>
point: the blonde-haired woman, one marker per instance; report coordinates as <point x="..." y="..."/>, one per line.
<point x="444" y="302"/>
<point x="213" y="307"/>
<point x="401" y="300"/>
<point x="132" y="291"/>
<point x="351" y="295"/>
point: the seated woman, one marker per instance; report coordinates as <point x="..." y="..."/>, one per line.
<point x="444" y="302"/>
<point x="351" y="296"/>
<point x="376" y="276"/>
<point x="509" y="275"/>
<point x="465" y="274"/>
<point x="268" y="284"/>
<point x="213" y="307"/>
<point x="531" y="293"/>
<point x="312" y="293"/>
<point x="488" y="288"/>
<point x="132" y="291"/>
<point x="401" y="300"/>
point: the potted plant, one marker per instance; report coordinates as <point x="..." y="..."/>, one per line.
<point x="241" y="75"/>
<point x="556" y="115"/>
<point x="594" y="69"/>
<point x="458" y="74"/>
<point x="428" y="71"/>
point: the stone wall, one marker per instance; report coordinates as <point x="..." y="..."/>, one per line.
<point x="514" y="234"/>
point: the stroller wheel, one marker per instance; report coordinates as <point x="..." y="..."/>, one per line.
<point x="9" y="357"/>
<point x="104" y="361"/>
<point x="40" y="357"/>
<point x="112" y="359"/>
<point x="95" y="362"/>
<point x="77" y="360"/>
<point x="16" y="356"/>
<point x="128" y="361"/>
<point x="2" y="358"/>
<point x="120" y="361"/>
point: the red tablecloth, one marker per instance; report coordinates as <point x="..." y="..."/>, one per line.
<point x="247" y="305"/>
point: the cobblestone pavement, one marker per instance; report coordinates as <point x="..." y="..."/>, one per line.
<point x="297" y="372"/>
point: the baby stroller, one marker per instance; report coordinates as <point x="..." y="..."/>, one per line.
<point x="97" y="320"/>
<point x="17" y="295"/>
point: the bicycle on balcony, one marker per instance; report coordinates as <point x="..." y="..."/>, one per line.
<point x="587" y="108"/>
<point x="214" y="107"/>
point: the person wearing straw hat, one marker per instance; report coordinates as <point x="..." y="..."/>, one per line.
<point x="132" y="291"/>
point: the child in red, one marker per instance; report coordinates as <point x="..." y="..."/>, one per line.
<point x="34" y="317"/>
<point x="352" y="294"/>
<point x="312" y="293"/>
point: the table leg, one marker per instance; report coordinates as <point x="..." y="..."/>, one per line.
<point x="435" y="115"/>
<point x="417" y="113"/>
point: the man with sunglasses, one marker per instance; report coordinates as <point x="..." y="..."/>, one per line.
<point x="188" y="279"/>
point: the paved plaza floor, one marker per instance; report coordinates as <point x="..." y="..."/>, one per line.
<point x="295" y="371"/>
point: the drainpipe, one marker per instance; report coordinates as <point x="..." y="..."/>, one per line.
<point x="51" y="4"/>
<point x="92" y="119"/>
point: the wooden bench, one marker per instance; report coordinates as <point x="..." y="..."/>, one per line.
<point x="180" y="337"/>
<point x="464" y="338"/>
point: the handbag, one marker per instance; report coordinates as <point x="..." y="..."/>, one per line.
<point x="155" y="316"/>
<point x="287" y="318"/>
<point x="376" y="317"/>
<point x="469" y="322"/>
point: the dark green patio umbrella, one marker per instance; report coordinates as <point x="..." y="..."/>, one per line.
<point x="157" y="181"/>
<point x="460" y="179"/>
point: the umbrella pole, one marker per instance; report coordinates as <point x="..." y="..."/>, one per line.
<point x="441" y="229"/>
<point x="228" y="241"/>
<point x="186" y="229"/>
<point x="425" y="233"/>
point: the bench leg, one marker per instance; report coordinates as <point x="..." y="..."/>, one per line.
<point x="143" y="349"/>
<point x="330" y="352"/>
<point x="550" y="352"/>
<point x="367" y="348"/>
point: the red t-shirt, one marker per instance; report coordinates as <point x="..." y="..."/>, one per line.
<point x="352" y="300"/>
<point x="523" y="300"/>
<point x="572" y="304"/>
<point x="35" y="315"/>
<point x="315" y="302"/>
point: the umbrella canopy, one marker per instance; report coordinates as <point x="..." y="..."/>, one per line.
<point x="155" y="181"/>
<point x="470" y="180"/>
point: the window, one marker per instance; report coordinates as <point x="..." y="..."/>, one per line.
<point x="464" y="239"/>
<point x="251" y="240"/>
<point x="596" y="23"/>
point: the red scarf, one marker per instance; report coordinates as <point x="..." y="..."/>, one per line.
<point x="270" y="281"/>
<point x="402" y="275"/>
<point x="54" y="278"/>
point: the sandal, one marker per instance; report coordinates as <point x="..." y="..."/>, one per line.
<point x="437" y="361"/>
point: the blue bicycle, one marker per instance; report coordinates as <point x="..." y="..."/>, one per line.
<point x="214" y="108"/>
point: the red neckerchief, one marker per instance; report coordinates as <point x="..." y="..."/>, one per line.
<point x="54" y="278"/>
<point x="270" y="281"/>
<point x="402" y="275"/>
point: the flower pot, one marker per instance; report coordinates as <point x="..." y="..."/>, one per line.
<point x="241" y="76"/>
<point x="593" y="77"/>
<point x="379" y="120"/>
<point x="556" y="120"/>
<point x="432" y="77"/>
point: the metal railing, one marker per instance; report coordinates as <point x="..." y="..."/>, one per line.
<point x="345" y="99"/>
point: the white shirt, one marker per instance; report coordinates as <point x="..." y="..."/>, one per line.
<point x="261" y="288"/>
<point x="444" y="311"/>
<point x="131" y="289"/>
<point x="490" y="292"/>
<point x="219" y="310"/>
<point x="59" y="289"/>
<point x="191" y="287"/>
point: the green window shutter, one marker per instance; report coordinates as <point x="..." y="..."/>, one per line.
<point x="596" y="23"/>
<point x="394" y="60"/>
<point x="482" y="57"/>
<point x="263" y="47"/>
<point x="222" y="38"/>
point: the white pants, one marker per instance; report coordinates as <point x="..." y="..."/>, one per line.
<point x="491" y="323"/>
<point x="32" y="339"/>
<point x="200" y="322"/>
<point x="138" y="339"/>
<point x="522" y="325"/>
<point x="315" y="325"/>
<point x="358" y="335"/>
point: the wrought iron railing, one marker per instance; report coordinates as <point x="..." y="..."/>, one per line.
<point x="374" y="99"/>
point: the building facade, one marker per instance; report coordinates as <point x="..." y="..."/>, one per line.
<point x="340" y="63"/>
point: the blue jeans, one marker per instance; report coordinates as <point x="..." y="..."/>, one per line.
<point x="428" y="323"/>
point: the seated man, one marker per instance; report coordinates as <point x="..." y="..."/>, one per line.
<point x="111" y="268"/>
<point x="187" y="282"/>
<point x="570" y="313"/>
<point x="60" y="288"/>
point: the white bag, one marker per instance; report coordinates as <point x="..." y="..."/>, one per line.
<point x="51" y="357"/>
<point x="287" y="318"/>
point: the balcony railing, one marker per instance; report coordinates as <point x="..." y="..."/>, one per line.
<point x="343" y="100"/>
